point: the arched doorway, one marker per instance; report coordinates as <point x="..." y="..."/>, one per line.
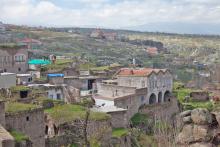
<point x="167" y="96"/>
<point x="159" y="97"/>
<point x="152" y="99"/>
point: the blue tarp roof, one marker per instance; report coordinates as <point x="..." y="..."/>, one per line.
<point x="55" y="75"/>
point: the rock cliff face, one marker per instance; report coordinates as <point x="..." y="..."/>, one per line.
<point x="199" y="128"/>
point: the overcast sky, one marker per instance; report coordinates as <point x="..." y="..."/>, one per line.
<point x="108" y="13"/>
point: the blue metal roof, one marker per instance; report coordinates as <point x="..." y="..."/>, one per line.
<point x="55" y="75"/>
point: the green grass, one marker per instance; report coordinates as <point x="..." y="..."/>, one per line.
<point x="193" y="105"/>
<point x="14" y="107"/>
<point x="139" y="118"/>
<point x="68" y="113"/>
<point x="19" y="88"/>
<point x="87" y="66"/>
<point x="60" y="64"/>
<point x="119" y="132"/>
<point x="147" y="141"/>
<point x="100" y="68"/>
<point x="182" y="93"/>
<point x="18" y="136"/>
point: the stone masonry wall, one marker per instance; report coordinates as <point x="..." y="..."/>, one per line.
<point x="131" y="103"/>
<point x="69" y="133"/>
<point x="163" y="111"/>
<point x="2" y="113"/>
<point x="119" y="119"/>
<point x="30" y="123"/>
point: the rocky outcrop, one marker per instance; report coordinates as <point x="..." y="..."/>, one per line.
<point x="199" y="128"/>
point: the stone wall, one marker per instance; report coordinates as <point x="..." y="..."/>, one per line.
<point x="163" y="111"/>
<point x="2" y="113"/>
<point x="11" y="65"/>
<point x="75" y="82"/>
<point x="200" y="95"/>
<point x="69" y="133"/>
<point x="30" y="123"/>
<point x="56" y="80"/>
<point x="131" y="103"/>
<point x="6" y="140"/>
<point x="119" y="119"/>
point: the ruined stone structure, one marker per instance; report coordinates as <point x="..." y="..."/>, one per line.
<point x="31" y="123"/>
<point x="14" y="59"/>
<point x="61" y="134"/>
<point x="199" y="95"/>
<point x="2" y="113"/>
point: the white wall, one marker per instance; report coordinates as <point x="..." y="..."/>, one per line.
<point x="52" y="93"/>
<point x="99" y="102"/>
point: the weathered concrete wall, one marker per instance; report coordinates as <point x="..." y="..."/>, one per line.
<point x="119" y="119"/>
<point x="2" y="113"/>
<point x="131" y="103"/>
<point x="30" y="123"/>
<point x="164" y="111"/>
<point x="56" y="80"/>
<point x="6" y="140"/>
<point x="7" y="80"/>
<point x="77" y="83"/>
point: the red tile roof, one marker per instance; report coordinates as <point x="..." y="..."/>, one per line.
<point x="138" y="72"/>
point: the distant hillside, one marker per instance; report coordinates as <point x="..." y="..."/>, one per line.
<point x="182" y="28"/>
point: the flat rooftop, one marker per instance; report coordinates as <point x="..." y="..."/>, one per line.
<point x="110" y="98"/>
<point x="107" y="109"/>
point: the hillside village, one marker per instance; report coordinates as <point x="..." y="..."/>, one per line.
<point x="75" y="87"/>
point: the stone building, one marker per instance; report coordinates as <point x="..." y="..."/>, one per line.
<point x="13" y="59"/>
<point x="133" y="88"/>
<point x="159" y="82"/>
<point x="29" y="122"/>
